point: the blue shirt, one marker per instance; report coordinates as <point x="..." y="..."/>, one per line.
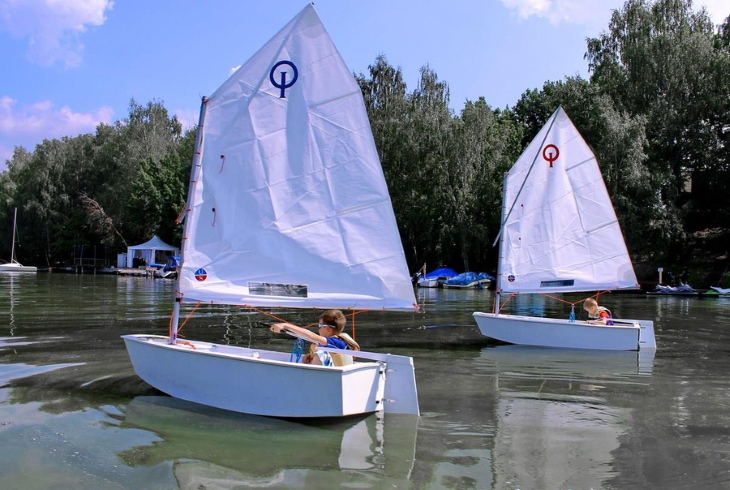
<point x="336" y="343"/>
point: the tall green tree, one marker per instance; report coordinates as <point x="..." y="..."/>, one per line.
<point x="157" y="197"/>
<point x="485" y="145"/>
<point x="660" y="60"/>
<point x="132" y="151"/>
<point x="430" y="151"/>
<point x="393" y="119"/>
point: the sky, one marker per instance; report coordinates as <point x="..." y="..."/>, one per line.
<point x="69" y="65"/>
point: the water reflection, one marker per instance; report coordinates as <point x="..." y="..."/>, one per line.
<point x="74" y="415"/>
<point x="209" y="446"/>
<point x="7" y="282"/>
<point x="557" y="426"/>
<point x="566" y="364"/>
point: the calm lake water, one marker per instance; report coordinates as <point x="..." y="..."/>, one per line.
<point x="74" y="415"/>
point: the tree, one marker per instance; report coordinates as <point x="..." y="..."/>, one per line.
<point x="392" y="115"/>
<point x="157" y="196"/>
<point x="661" y="61"/>
<point x="75" y="191"/>
<point x="486" y="144"/>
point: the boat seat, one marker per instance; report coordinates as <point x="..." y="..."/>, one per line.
<point x="341" y="359"/>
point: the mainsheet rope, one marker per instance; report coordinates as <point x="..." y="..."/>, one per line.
<point x="572" y="304"/>
<point x="298" y="346"/>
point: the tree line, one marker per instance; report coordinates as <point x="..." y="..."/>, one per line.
<point x="655" y="110"/>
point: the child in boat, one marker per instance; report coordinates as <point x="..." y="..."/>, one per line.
<point x="597" y="314"/>
<point x="331" y="326"/>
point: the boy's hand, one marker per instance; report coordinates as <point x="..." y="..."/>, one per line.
<point x="278" y="327"/>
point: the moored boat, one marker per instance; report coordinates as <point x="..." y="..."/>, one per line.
<point x="681" y="290"/>
<point x="436" y="278"/>
<point x="721" y="292"/>
<point x="14" y="265"/>
<point x="469" y="280"/>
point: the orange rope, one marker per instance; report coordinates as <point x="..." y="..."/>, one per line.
<point x="353" y="321"/>
<point x="556" y="298"/>
<point x="265" y="313"/>
<point x="188" y="317"/>
<point x="560" y="299"/>
<point x="505" y="301"/>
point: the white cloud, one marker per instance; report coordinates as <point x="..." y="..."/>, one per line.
<point x="43" y="120"/>
<point x="595" y="14"/>
<point x="528" y="8"/>
<point x="53" y="27"/>
<point x="590" y="12"/>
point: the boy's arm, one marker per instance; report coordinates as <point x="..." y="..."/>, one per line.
<point x="601" y="320"/>
<point x="300" y="332"/>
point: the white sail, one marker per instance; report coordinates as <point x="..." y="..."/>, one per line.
<point x="560" y="232"/>
<point x="289" y="206"/>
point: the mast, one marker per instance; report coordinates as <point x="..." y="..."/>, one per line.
<point x="498" y="286"/>
<point x="194" y="175"/>
<point x="15" y="227"/>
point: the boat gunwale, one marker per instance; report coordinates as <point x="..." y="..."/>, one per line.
<point x="156" y="340"/>
<point x="623" y="324"/>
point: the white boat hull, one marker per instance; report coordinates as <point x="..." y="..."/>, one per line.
<point x="428" y="283"/>
<point x="552" y="332"/>
<point x="16" y="267"/>
<point x="265" y="382"/>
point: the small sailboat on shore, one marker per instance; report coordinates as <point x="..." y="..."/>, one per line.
<point x="14" y="265"/>
<point x="287" y="208"/>
<point x="560" y="234"/>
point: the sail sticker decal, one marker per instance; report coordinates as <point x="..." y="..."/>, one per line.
<point x="560" y="283"/>
<point x="511" y="278"/>
<point x="201" y="274"/>
<point x="550" y="153"/>
<point x="276" y="289"/>
<point x="283" y="84"/>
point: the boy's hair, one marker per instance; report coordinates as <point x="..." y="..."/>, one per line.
<point x="590" y="302"/>
<point x="335" y="318"/>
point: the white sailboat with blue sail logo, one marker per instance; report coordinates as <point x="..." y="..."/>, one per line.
<point x="560" y="234"/>
<point x="287" y="208"/>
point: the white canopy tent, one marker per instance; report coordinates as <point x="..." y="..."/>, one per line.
<point x="154" y="251"/>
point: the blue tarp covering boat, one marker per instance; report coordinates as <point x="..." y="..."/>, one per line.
<point x="436" y="277"/>
<point x="469" y="280"/>
<point x="443" y="272"/>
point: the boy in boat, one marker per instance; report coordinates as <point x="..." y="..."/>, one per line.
<point x="597" y="314"/>
<point x="331" y="326"/>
